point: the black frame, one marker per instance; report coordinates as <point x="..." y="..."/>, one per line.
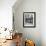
<point x="34" y="20"/>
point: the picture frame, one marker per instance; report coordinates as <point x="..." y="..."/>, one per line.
<point x="29" y="19"/>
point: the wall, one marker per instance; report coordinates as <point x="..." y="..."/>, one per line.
<point x="6" y="13"/>
<point x="43" y="22"/>
<point x="28" y="6"/>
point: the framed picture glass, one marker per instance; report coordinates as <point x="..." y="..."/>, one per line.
<point x="29" y="19"/>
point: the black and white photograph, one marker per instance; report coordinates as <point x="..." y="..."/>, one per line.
<point x="29" y="19"/>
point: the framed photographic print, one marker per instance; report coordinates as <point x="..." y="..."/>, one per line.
<point x="29" y="19"/>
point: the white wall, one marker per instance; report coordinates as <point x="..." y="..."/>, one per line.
<point x="29" y="6"/>
<point x="43" y="22"/>
<point x="6" y="13"/>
